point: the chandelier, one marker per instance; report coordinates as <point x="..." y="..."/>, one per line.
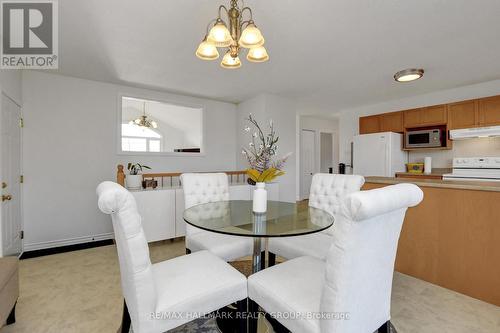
<point x="240" y="34"/>
<point x="143" y="121"/>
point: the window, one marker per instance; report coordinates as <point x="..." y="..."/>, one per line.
<point x="157" y="127"/>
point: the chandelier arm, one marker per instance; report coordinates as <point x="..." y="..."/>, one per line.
<point x="249" y="10"/>
<point x="221" y="7"/>
<point x="245" y="22"/>
<point x="208" y="26"/>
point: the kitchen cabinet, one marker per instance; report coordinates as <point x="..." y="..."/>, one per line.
<point x="463" y="114"/>
<point x="451" y="239"/>
<point x="369" y="124"/>
<point x="431" y="115"/>
<point x="412" y="117"/>
<point x="489" y="111"/>
<point x="391" y="122"/>
<point x="434" y="115"/>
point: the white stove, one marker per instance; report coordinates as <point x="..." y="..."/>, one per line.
<point x="475" y="168"/>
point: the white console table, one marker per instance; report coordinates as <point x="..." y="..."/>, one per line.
<point x="161" y="209"/>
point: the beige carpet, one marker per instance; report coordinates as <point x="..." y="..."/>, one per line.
<point x="80" y="292"/>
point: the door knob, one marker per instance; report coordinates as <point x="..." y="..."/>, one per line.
<point x="6" y="197"/>
<point x="4" y="184"/>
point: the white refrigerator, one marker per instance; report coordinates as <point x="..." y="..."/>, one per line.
<point x="379" y="154"/>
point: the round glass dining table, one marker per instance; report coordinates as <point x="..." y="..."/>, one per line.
<point x="235" y="217"/>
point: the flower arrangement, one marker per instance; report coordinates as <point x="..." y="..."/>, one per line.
<point x="263" y="165"/>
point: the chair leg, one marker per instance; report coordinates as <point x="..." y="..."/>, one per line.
<point x="188" y="251"/>
<point x="253" y="316"/>
<point x="272" y="259"/>
<point x="11" y="319"/>
<point x="242" y="315"/>
<point x="277" y="326"/>
<point x="125" y="319"/>
<point x="263" y="260"/>
<point x="385" y="328"/>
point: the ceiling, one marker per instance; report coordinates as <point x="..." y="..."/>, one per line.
<point x="329" y="55"/>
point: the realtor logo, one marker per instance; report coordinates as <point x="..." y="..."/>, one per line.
<point x="29" y="35"/>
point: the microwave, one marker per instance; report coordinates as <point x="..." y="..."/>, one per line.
<point x="424" y="138"/>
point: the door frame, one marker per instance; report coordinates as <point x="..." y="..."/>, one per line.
<point x="333" y="148"/>
<point x="301" y="166"/>
<point x="21" y="187"/>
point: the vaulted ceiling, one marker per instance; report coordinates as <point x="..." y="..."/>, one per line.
<point x="326" y="54"/>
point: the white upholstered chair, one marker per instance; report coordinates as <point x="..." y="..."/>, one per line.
<point x="356" y="278"/>
<point x="200" y="188"/>
<point x="327" y="193"/>
<point x="162" y="296"/>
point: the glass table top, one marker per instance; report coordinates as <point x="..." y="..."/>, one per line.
<point x="236" y="217"/>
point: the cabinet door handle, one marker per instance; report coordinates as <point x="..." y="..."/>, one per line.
<point x="7" y="197"/>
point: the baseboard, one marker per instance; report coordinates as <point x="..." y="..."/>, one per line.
<point x="66" y="242"/>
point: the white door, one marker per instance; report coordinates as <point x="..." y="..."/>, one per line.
<point x="10" y="173"/>
<point x="307" y="157"/>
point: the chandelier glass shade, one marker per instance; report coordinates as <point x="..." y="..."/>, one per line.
<point x="143" y="121"/>
<point x="207" y="51"/>
<point x="257" y="54"/>
<point x="234" y="35"/>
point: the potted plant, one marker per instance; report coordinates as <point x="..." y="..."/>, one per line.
<point x="261" y="157"/>
<point x="134" y="178"/>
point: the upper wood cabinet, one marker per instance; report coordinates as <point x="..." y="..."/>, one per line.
<point x="369" y="124"/>
<point x="463" y="114"/>
<point x="431" y="115"/>
<point x="434" y="115"/>
<point x="391" y="122"/>
<point x="489" y="111"/>
<point x="412" y="118"/>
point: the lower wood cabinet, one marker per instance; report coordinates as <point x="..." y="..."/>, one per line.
<point x="451" y="239"/>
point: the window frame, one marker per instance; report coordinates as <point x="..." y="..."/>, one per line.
<point x="161" y="99"/>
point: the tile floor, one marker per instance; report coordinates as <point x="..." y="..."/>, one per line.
<point x="80" y="292"/>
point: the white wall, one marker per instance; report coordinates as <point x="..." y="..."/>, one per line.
<point x="348" y="120"/>
<point x="282" y="111"/>
<point x="70" y="145"/>
<point x="482" y="147"/>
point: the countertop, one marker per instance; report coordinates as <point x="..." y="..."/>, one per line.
<point x="453" y="184"/>
<point x="436" y="172"/>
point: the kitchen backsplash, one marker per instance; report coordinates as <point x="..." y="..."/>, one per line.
<point x="481" y="147"/>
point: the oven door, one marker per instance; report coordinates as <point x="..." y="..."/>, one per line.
<point x="424" y="138"/>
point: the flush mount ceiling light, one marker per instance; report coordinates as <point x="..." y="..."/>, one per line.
<point x="408" y="75"/>
<point x="234" y="37"/>
<point x="143" y="121"/>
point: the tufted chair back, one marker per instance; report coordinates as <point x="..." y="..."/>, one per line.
<point x="360" y="263"/>
<point x="200" y="188"/>
<point x="329" y="190"/>
<point x="133" y="253"/>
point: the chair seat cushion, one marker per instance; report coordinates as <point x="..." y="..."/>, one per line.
<point x="314" y="245"/>
<point x="293" y="287"/>
<point x="226" y="247"/>
<point x="193" y="284"/>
